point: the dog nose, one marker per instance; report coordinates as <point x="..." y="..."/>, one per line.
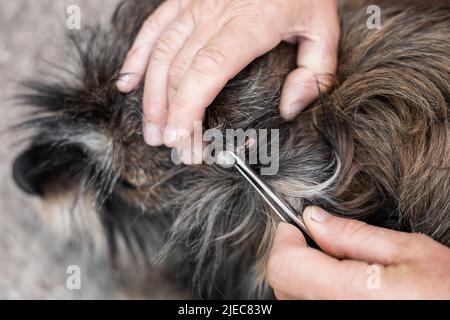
<point x="24" y="172"/>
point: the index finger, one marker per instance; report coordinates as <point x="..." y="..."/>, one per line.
<point x="138" y="56"/>
<point x="226" y="54"/>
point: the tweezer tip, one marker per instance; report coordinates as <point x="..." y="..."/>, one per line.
<point x="226" y="159"/>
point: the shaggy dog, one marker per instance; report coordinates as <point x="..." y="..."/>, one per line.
<point x="374" y="148"/>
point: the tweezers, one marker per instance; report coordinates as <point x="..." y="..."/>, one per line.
<point x="275" y="202"/>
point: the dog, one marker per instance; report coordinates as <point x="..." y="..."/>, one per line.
<point x="375" y="147"/>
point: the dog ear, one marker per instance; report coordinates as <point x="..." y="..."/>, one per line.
<point x="41" y="165"/>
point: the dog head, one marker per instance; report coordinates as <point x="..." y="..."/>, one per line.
<point x="375" y="147"/>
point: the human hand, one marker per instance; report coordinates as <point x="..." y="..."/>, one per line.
<point x="408" y="266"/>
<point x="189" y="49"/>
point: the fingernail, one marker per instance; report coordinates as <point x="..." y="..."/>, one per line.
<point x="316" y="214"/>
<point x="125" y="81"/>
<point x="152" y="134"/>
<point x="170" y="136"/>
<point x="128" y="76"/>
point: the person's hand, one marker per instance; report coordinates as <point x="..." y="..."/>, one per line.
<point x="360" y="262"/>
<point x="188" y="50"/>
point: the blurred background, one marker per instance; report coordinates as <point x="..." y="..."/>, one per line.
<point x="33" y="260"/>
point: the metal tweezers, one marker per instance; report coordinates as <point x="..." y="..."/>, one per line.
<point x="278" y="205"/>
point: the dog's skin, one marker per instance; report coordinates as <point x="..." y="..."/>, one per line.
<point x="375" y="148"/>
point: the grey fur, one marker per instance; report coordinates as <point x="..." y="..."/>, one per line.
<point x="204" y="222"/>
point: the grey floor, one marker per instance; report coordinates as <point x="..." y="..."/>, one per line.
<point x="33" y="260"/>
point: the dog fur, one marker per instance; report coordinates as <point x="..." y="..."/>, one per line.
<point x="374" y="148"/>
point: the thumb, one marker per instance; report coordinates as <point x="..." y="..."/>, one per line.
<point x="352" y="239"/>
<point x="317" y="63"/>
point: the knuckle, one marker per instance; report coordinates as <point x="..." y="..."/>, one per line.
<point x="176" y="73"/>
<point x="401" y="247"/>
<point x="406" y="240"/>
<point x="421" y="237"/>
<point x="268" y="8"/>
<point x="252" y="9"/>
<point x="397" y="250"/>
<point x="209" y="60"/>
<point x="422" y="241"/>
<point x="179" y="28"/>
<point x="355" y="231"/>
<point x="151" y="24"/>
<point x="166" y="46"/>
<point x="163" y="50"/>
